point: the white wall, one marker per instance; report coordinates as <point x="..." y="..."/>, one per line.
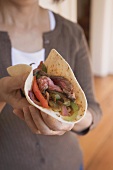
<point x="68" y="8"/>
<point x="102" y="36"/>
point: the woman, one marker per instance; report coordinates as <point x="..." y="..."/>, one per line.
<point x="27" y="34"/>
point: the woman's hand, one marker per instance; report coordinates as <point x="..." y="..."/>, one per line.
<point x="10" y="92"/>
<point x="41" y="123"/>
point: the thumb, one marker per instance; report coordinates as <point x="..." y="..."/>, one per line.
<point x="18" y="82"/>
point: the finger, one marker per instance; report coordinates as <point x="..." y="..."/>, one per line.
<point x="43" y="128"/>
<point x="19" y="102"/>
<point x="29" y="121"/>
<point x="56" y="125"/>
<point x="19" y="113"/>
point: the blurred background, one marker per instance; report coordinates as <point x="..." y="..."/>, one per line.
<point x="96" y="18"/>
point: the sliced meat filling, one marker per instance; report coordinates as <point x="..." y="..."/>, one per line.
<point x="65" y="85"/>
<point x="45" y="83"/>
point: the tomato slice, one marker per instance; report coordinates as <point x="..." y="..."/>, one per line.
<point x="39" y="95"/>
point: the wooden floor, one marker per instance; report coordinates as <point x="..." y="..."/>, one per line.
<point x="97" y="146"/>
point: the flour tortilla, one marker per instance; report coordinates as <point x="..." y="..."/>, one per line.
<point x="56" y="66"/>
<point x="19" y="69"/>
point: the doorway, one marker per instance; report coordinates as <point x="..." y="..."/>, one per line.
<point x="83" y="16"/>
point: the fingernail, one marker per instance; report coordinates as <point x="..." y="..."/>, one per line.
<point x="14" y="111"/>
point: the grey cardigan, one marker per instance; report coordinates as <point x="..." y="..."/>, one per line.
<point x="20" y="149"/>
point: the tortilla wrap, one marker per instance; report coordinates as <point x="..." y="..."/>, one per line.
<point x="56" y="66"/>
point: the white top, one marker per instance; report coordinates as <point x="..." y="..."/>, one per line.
<point x="20" y="57"/>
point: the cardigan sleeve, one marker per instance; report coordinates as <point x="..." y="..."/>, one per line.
<point x="84" y="76"/>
